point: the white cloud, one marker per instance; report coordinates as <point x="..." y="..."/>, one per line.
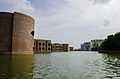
<point x="23" y="5"/>
<point x="79" y="21"/>
<point x="71" y="21"/>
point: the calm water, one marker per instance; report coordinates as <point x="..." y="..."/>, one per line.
<point x="72" y="65"/>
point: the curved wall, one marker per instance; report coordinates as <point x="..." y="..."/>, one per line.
<point x="15" y="33"/>
<point x="22" y="40"/>
<point x="6" y="25"/>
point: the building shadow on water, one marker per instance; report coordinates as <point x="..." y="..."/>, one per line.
<point x="112" y="65"/>
<point x="16" y="66"/>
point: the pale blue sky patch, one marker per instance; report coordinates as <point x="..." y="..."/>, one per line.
<point x="46" y="7"/>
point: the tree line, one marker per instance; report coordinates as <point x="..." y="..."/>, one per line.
<point x="111" y="43"/>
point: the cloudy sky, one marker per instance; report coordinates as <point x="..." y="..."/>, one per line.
<point x="69" y="21"/>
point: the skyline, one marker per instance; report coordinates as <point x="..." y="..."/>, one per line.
<point x="69" y="21"/>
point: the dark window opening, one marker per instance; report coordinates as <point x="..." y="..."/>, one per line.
<point x="49" y="44"/>
<point x="48" y="48"/>
<point x="32" y="33"/>
<point x="40" y="48"/>
<point x="43" y="44"/>
<point x="43" y="48"/>
<point x="33" y="48"/>
<point x="39" y="44"/>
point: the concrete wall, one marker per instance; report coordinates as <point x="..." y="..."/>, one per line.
<point x="15" y="33"/>
<point x="6" y="25"/>
<point x="48" y="46"/>
<point x="42" y="46"/>
<point x="65" y="47"/>
<point x="22" y="40"/>
<point x="71" y="49"/>
<point x="56" y="47"/>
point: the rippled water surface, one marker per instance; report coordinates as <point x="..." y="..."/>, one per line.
<point x="66" y="65"/>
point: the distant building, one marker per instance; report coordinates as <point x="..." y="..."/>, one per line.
<point x="42" y="46"/>
<point x="82" y="47"/>
<point x="65" y="47"/>
<point x="96" y="42"/>
<point x="45" y="46"/>
<point x="71" y="49"/>
<point x="77" y="49"/>
<point x="87" y="46"/>
<point x="56" y="47"/>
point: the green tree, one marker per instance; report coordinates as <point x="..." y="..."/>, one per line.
<point x="111" y="43"/>
<point x="97" y="48"/>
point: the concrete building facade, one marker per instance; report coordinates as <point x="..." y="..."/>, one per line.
<point x="71" y="49"/>
<point x="56" y="47"/>
<point x="42" y="46"/>
<point x="6" y="25"/>
<point x="86" y="46"/>
<point x="96" y="42"/>
<point x="45" y="46"/>
<point x="15" y="33"/>
<point x="65" y="47"/>
<point x="82" y="47"/>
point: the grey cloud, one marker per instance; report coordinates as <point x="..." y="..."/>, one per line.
<point x="100" y="1"/>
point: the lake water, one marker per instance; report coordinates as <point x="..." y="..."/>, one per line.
<point x="65" y="65"/>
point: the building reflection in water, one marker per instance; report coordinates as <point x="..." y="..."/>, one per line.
<point x="16" y="66"/>
<point x="52" y="66"/>
<point x="112" y="65"/>
<point x="42" y="65"/>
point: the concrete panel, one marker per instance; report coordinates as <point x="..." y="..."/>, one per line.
<point x="22" y="40"/>
<point x="6" y="25"/>
<point x="42" y="46"/>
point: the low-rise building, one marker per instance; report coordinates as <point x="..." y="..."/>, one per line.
<point x="82" y="47"/>
<point x="56" y="47"/>
<point x="42" y="46"/>
<point x="96" y="42"/>
<point x="86" y="46"/>
<point x="65" y="47"/>
<point x="71" y="49"/>
<point x="45" y="46"/>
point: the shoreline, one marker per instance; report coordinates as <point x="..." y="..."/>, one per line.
<point x="109" y="52"/>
